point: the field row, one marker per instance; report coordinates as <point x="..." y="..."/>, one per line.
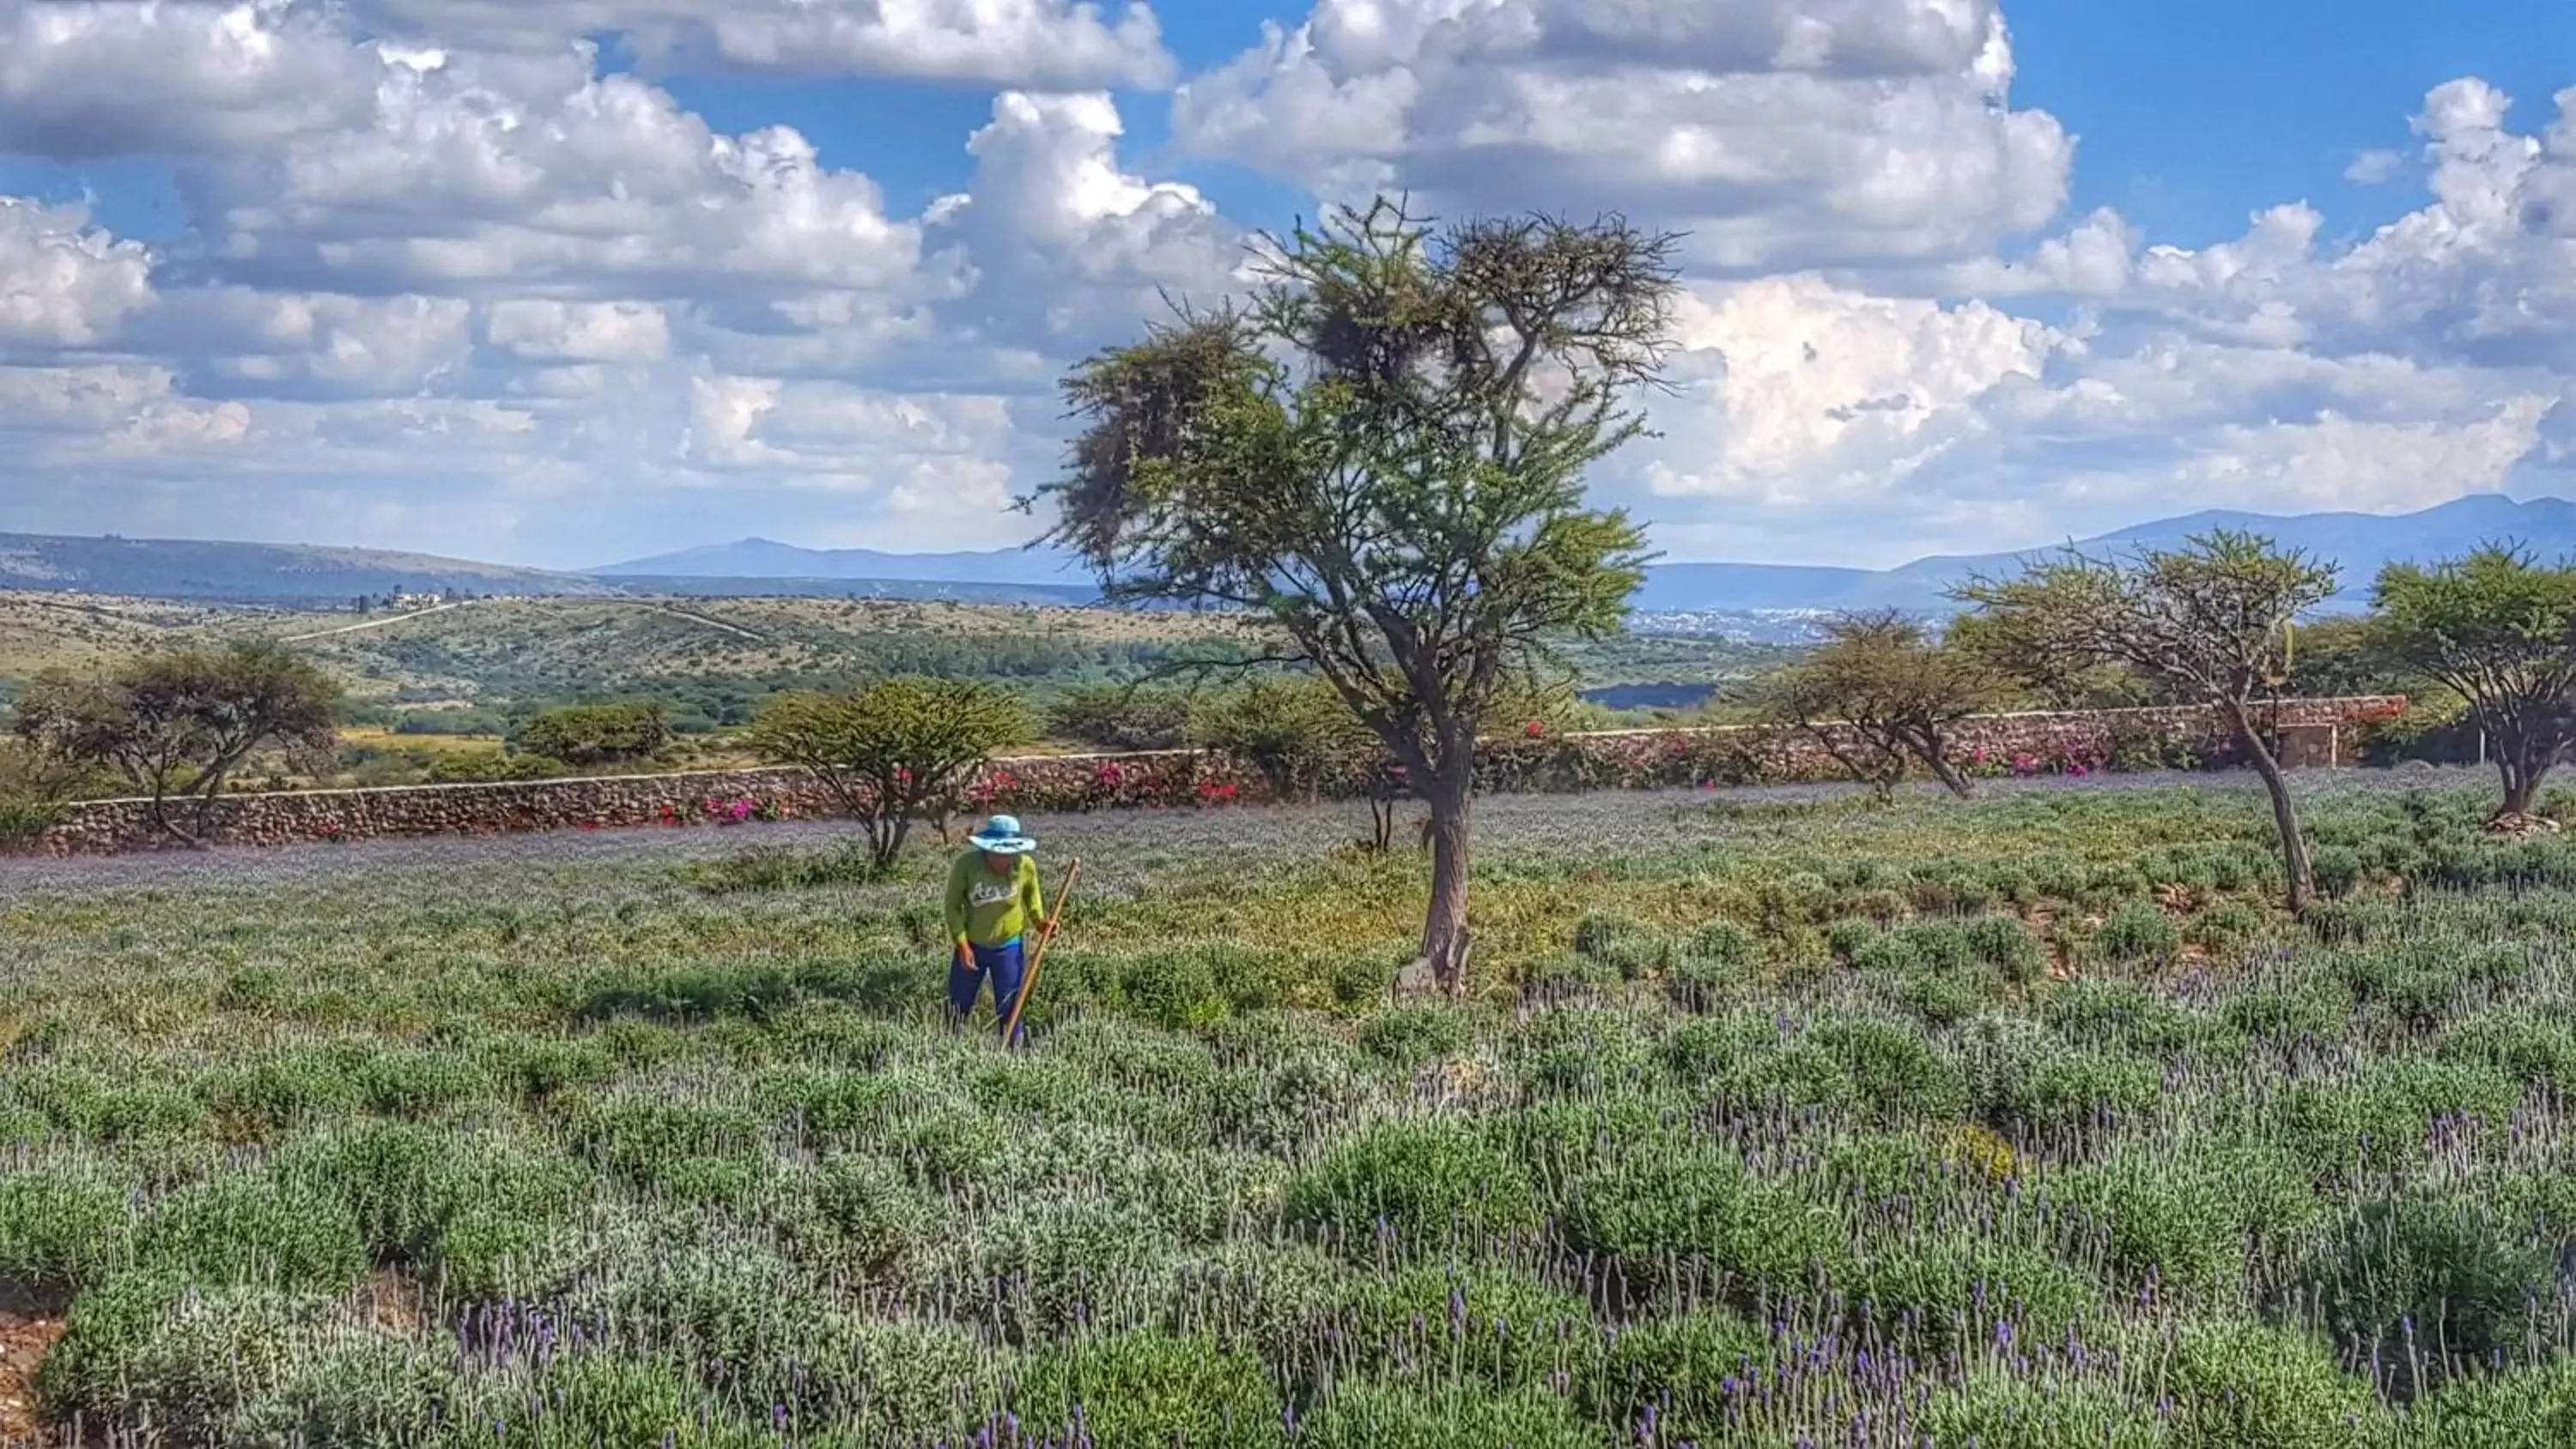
<point x="2025" y="1123"/>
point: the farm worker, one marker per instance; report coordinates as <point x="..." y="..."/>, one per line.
<point x="993" y="903"/>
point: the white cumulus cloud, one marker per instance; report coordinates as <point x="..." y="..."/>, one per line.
<point x="473" y="275"/>
<point x="1058" y="44"/>
<point x="64" y="283"/>
<point x="1781" y="136"/>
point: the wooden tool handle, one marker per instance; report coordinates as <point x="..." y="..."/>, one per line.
<point x="1037" y="958"/>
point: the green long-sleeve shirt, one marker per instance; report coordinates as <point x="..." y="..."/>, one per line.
<point x="989" y="909"/>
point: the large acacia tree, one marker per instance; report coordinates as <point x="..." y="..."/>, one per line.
<point x="1382" y="452"/>
<point x="2208" y="622"/>
<point x="2499" y="630"/>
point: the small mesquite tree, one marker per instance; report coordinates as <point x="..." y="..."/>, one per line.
<point x="1122" y="717"/>
<point x="893" y="752"/>
<point x="1882" y="694"/>
<point x="2208" y="622"/>
<point x="175" y="725"/>
<point x="596" y="734"/>
<point x="1296" y="732"/>
<point x="1382" y="456"/>
<point x="2499" y="630"/>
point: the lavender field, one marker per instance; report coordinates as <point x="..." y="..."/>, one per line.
<point x="1771" y="1119"/>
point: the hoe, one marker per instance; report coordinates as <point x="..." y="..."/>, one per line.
<point x="1037" y="957"/>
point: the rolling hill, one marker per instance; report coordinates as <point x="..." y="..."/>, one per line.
<point x="767" y="559"/>
<point x="754" y="567"/>
<point x="719" y="586"/>
<point x="171" y="568"/>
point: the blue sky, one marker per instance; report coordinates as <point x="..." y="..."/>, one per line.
<point x="2193" y="113"/>
<point x="426" y="273"/>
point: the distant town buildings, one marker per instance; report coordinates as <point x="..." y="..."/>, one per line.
<point x="405" y="601"/>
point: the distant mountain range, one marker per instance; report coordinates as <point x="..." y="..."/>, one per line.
<point x="2361" y="543"/>
<point x="761" y="558"/>
<point x="281" y="573"/>
<point x="1071" y="594"/>
<point x="303" y="575"/>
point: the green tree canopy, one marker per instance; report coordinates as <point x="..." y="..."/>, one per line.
<point x="596" y="734"/>
<point x="895" y="751"/>
<point x="176" y="724"/>
<point x="1295" y="730"/>
<point x="2046" y="679"/>
<point x="2499" y="630"/>
<point x="1383" y="456"/>
<point x="2208" y="622"/>
<point x="1882" y="693"/>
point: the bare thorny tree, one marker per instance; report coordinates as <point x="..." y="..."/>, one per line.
<point x="1382" y="454"/>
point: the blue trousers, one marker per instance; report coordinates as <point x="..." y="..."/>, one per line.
<point x="1003" y="965"/>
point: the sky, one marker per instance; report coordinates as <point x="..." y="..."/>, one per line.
<point x="564" y="282"/>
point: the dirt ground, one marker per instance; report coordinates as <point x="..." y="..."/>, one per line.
<point x="24" y="1337"/>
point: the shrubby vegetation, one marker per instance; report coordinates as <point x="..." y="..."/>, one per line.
<point x="1882" y="696"/>
<point x="1123" y="717"/>
<point x="893" y="752"/>
<point x="1297" y="732"/>
<point x="2027" y="1119"/>
<point x="35" y="785"/>
<point x="174" y="726"/>
<point x="595" y="734"/>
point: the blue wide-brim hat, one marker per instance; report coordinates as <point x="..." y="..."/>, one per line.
<point x="1001" y="835"/>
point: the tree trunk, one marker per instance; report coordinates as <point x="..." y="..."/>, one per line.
<point x="1381" y="822"/>
<point x="2285" y="813"/>
<point x="1445" y="937"/>
<point x="1935" y="754"/>
<point x="2519" y="784"/>
<point x="161" y="816"/>
<point x="2522" y="764"/>
<point x="885" y="841"/>
<point x="1882" y="776"/>
<point x="202" y="813"/>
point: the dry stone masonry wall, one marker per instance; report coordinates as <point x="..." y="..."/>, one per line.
<point x="2312" y="732"/>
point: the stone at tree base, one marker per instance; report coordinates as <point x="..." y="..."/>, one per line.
<point x="2523" y="826"/>
<point x="1416" y="980"/>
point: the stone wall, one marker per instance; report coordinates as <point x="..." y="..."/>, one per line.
<point x="2312" y="732"/>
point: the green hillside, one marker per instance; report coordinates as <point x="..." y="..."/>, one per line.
<point x="167" y="568"/>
